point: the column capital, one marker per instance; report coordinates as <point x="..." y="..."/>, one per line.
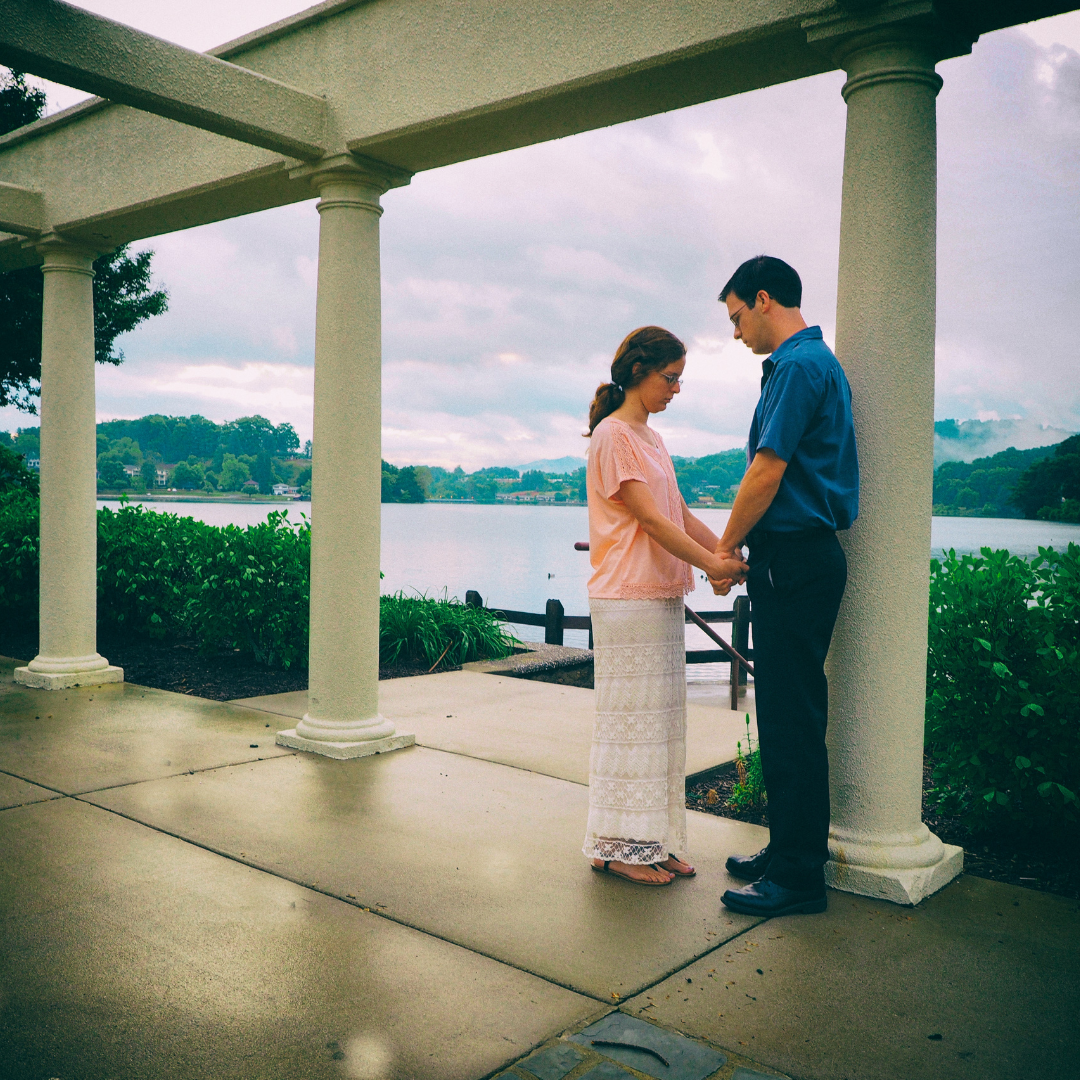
<point x="853" y="27"/>
<point x="62" y="253"/>
<point x="355" y="168"/>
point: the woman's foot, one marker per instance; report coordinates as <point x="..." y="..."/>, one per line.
<point x="643" y="875"/>
<point x="676" y="867"/>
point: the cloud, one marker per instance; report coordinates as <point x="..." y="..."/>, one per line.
<point x="508" y="281"/>
<point x="219" y="391"/>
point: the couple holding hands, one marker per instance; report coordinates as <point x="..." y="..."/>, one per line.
<point x="801" y="486"/>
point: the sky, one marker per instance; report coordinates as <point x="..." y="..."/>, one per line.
<point x="509" y="281"/>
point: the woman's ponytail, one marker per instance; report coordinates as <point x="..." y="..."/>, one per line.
<point x="643" y="351"/>
<point x="608" y="398"/>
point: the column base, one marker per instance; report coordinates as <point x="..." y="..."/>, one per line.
<point x="344" y="750"/>
<point x="64" y="680"/>
<point x="907" y="886"/>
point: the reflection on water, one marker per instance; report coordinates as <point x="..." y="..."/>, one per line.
<point x="520" y="556"/>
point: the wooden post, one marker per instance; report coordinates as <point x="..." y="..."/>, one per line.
<point x="740" y="631"/>
<point x="473" y="599"/>
<point x="553" y="628"/>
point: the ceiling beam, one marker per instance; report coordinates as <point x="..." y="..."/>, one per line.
<point x="76" y="48"/>
<point x="21" y="210"/>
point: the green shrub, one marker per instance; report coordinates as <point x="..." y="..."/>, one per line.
<point x="251" y="589"/>
<point x="19" y="557"/>
<point x="1003" y="688"/>
<point x="164" y="575"/>
<point x="145" y="574"/>
<point x="419" y="629"/>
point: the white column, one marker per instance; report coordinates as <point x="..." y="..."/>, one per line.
<point x="885" y="340"/>
<point x="67" y="645"/>
<point x="343" y="718"/>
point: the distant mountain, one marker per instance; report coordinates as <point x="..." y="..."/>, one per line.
<point x="970" y="439"/>
<point x="566" y="464"/>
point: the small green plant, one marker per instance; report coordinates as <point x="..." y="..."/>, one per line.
<point x="1003" y="688"/>
<point x="749" y="791"/>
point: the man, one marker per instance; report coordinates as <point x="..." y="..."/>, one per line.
<point x="801" y="486"/>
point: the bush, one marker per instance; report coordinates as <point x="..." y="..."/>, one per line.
<point x="251" y="589"/>
<point x="19" y="557"/>
<point x="419" y="629"/>
<point x="145" y="573"/>
<point x="228" y="588"/>
<point x="1003" y="688"/>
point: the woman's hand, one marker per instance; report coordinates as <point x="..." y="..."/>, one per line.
<point x="724" y="566"/>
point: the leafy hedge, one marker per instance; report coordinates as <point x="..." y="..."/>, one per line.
<point x="1003" y="687"/>
<point x="161" y="575"/>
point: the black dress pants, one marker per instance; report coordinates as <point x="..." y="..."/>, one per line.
<point x="795" y="583"/>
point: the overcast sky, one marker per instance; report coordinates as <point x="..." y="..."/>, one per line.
<point x="508" y="281"/>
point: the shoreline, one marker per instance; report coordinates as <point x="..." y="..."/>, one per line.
<point x="241" y="500"/>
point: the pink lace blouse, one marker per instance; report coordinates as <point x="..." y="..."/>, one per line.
<point x="627" y="563"/>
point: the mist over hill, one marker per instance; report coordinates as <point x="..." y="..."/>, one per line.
<point x="966" y="440"/>
<point x="566" y="464"/>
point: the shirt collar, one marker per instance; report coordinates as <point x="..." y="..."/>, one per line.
<point x="808" y="333"/>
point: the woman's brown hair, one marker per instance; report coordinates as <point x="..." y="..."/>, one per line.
<point x="643" y="351"/>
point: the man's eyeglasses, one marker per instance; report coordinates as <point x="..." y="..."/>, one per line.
<point x="737" y="316"/>
<point x="671" y="380"/>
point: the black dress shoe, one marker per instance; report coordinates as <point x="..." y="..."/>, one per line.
<point x="767" y="899"/>
<point x="749" y="867"/>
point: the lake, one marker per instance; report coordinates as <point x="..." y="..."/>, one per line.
<point x="520" y="556"/>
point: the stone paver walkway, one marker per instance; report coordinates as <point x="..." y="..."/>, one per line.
<point x="183" y="899"/>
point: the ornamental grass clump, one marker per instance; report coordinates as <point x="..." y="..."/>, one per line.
<point x="1003" y="689"/>
<point x="433" y="632"/>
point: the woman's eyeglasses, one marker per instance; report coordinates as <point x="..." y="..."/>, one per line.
<point x="671" y="380"/>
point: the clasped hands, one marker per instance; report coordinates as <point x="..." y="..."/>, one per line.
<point x="728" y="569"/>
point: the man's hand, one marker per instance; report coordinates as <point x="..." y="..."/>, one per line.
<point x="730" y="569"/>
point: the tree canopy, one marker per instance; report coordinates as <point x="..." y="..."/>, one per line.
<point x="123" y="296"/>
<point x="1050" y="489"/>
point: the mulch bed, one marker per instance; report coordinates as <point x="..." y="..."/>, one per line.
<point x="179" y="667"/>
<point x="1047" y="865"/>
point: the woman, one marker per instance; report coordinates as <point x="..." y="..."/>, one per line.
<point x="642" y="541"/>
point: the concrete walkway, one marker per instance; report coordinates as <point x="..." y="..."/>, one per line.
<point x="183" y="899"/>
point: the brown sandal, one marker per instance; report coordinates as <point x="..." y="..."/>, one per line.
<point x="690" y="872"/>
<point x="626" y="877"/>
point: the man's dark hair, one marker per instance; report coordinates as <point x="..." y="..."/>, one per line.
<point x="778" y="279"/>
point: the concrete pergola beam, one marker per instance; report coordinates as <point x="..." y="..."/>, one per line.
<point x="74" y="47"/>
<point x="419" y="86"/>
<point x="22" y="210"/>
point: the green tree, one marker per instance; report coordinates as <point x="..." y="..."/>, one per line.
<point x="14" y="475"/>
<point x="123" y="297"/>
<point x="111" y="472"/>
<point x="234" y="473"/>
<point x="577" y="479"/>
<point x="148" y="472"/>
<point x="187" y="477"/>
<point x="533" y="480"/>
<point x="263" y="473"/>
<point x="1052" y="482"/>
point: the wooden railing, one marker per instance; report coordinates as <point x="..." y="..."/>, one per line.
<point x="555" y="621"/>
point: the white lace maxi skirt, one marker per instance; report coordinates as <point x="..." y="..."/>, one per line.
<point x="637" y="769"/>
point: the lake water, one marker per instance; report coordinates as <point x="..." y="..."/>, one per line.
<point x="520" y="556"/>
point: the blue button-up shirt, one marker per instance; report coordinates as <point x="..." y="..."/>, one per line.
<point x="804" y="417"/>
